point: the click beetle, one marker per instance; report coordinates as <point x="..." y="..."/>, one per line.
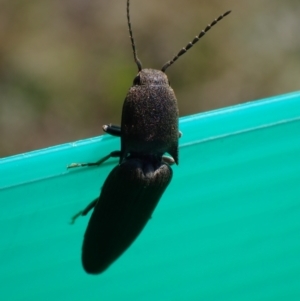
<point x="149" y="130"/>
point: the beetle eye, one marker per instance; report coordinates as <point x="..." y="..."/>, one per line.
<point x="137" y="81"/>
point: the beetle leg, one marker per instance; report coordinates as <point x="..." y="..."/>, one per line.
<point x="168" y="160"/>
<point x="111" y="155"/>
<point x="115" y="130"/>
<point x="111" y="129"/>
<point x="85" y="211"/>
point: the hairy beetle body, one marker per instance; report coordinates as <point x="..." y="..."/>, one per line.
<point x="149" y="129"/>
<point x="150" y="105"/>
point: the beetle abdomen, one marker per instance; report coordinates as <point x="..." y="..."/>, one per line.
<point x="127" y="200"/>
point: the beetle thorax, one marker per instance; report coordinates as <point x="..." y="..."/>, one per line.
<point x="150" y="115"/>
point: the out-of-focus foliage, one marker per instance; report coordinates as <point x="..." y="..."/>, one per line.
<point x="66" y="66"/>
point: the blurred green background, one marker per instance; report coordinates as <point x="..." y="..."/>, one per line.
<point x="66" y="66"/>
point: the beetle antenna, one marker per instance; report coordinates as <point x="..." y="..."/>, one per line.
<point x="137" y="61"/>
<point x="192" y="43"/>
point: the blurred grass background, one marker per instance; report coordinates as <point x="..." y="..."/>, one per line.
<point x="66" y="66"/>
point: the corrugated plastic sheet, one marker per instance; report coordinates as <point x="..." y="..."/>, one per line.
<point x="227" y="228"/>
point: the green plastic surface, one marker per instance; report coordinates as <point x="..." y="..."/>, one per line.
<point x="227" y="228"/>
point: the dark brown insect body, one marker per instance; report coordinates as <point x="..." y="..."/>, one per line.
<point x="149" y="129"/>
<point x="128" y="198"/>
<point x="150" y="105"/>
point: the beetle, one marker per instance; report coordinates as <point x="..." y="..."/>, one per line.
<point x="149" y="130"/>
